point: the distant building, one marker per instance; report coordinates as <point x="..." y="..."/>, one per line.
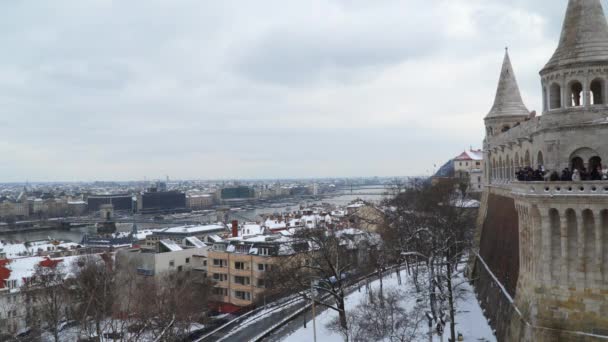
<point x="155" y="201"/>
<point x="237" y="193"/>
<point x="198" y="202"/>
<point x="119" y="201"/>
<point x="170" y="257"/>
<point x="469" y="165"/>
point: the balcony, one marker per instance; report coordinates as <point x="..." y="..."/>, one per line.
<point x="554" y="189"/>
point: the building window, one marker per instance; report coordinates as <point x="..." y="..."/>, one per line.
<point x="261" y="283"/>
<point x="187" y="260"/>
<point x="220" y="291"/>
<point x="478" y="163"/>
<point x="220" y="276"/>
<point x="263" y="267"/>
<point x="239" y="265"/>
<point x="242" y="295"/>
<point x="180" y="268"/>
<point x="264" y="251"/>
<point x="204" y="262"/>
<point x="219" y="263"/>
<point x="241" y="280"/>
<point x="171" y="263"/>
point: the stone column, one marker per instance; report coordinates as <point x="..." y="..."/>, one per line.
<point x="599" y="237"/>
<point x="564" y="275"/>
<point x="586" y="100"/>
<point x="545" y="250"/>
<point x="580" y="264"/>
<point x="563" y="94"/>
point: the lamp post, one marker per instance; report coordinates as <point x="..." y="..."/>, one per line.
<point x="312" y="295"/>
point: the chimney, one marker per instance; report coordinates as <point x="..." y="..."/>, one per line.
<point x="235" y="228"/>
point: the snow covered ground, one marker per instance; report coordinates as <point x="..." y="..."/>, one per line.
<point x="470" y="321"/>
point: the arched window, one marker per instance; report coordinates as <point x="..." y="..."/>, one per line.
<point x="505" y="128"/>
<point x="501" y="171"/>
<point x="577" y="163"/>
<point x="575" y="94"/>
<point x="594" y="163"/>
<point x="539" y="159"/>
<point x="555" y="96"/>
<point x="545" y="107"/>
<point x="597" y="92"/>
<point x="527" y="162"/>
<point x="517" y="165"/>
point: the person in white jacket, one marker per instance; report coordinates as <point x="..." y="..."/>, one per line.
<point x="576" y="177"/>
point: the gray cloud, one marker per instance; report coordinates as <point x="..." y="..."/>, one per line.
<point x="101" y="89"/>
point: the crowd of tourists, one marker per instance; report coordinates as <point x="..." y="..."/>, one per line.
<point x="529" y="174"/>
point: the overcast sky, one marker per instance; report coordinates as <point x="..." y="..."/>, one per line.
<point x="201" y="89"/>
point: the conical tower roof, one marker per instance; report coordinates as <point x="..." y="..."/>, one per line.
<point x="508" y="102"/>
<point x="584" y="37"/>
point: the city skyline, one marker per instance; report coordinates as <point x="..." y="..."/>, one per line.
<point x="100" y="90"/>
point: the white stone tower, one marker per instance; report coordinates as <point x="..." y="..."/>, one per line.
<point x="508" y="109"/>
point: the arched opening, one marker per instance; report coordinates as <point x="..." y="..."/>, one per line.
<point x="527" y="162"/>
<point x="572" y="246"/>
<point x="595" y="163"/>
<point x="582" y="159"/>
<point x="556" y="247"/>
<point x="545" y="107"/>
<point x="577" y="163"/>
<point x="505" y="128"/>
<point x="575" y="94"/>
<point x="500" y="169"/>
<point x="597" y="92"/>
<point x="539" y="159"/>
<point x="517" y="164"/>
<point x="555" y="95"/>
<point x="589" y="264"/>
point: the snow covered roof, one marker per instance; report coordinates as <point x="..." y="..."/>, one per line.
<point x="274" y="224"/>
<point x="21" y="269"/>
<point x="214" y="238"/>
<point x="251" y="229"/>
<point x="474" y="155"/>
<point x="195" y="242"/>
<point x="171" y="245"/>
<point x="193" y="229"/>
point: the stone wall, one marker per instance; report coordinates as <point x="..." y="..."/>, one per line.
<point x="499" y="242"/>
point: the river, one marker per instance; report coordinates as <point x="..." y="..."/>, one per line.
<point x="371" y="194"/>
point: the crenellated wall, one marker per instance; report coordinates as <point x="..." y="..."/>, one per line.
<point x="553" y="238"/>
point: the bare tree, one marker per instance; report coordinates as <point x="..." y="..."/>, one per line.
<point x="432" y="224"/>
<point x="168" y="306"/>
<point x="46" y="292"/>
<point x="95" y="291"/>
<point x="323" y="261"/>
<point x="384" y="319"/>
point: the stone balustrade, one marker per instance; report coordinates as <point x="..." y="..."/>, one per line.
<point x="582" y="188"/>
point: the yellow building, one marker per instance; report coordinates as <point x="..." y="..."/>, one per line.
<point x="239" y="265"/>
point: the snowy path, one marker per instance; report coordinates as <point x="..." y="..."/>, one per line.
<point x="470" y="321"/>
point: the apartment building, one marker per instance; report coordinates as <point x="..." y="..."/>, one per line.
<point x="239" y="266"/>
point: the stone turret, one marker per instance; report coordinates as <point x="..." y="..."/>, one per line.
<point x="584" y="37"/>
<point x="508" y="108"/>
<point x="575" y="75"/>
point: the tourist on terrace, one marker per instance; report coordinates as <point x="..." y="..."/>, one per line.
<point x="566" y="175"/>
<point x="554" y="177"/>
<point x="576" y="176"/>
<point x="596" y="174"/>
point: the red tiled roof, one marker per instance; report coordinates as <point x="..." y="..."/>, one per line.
<point x="47" y="262"/>
<point x="5" y="273"/>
